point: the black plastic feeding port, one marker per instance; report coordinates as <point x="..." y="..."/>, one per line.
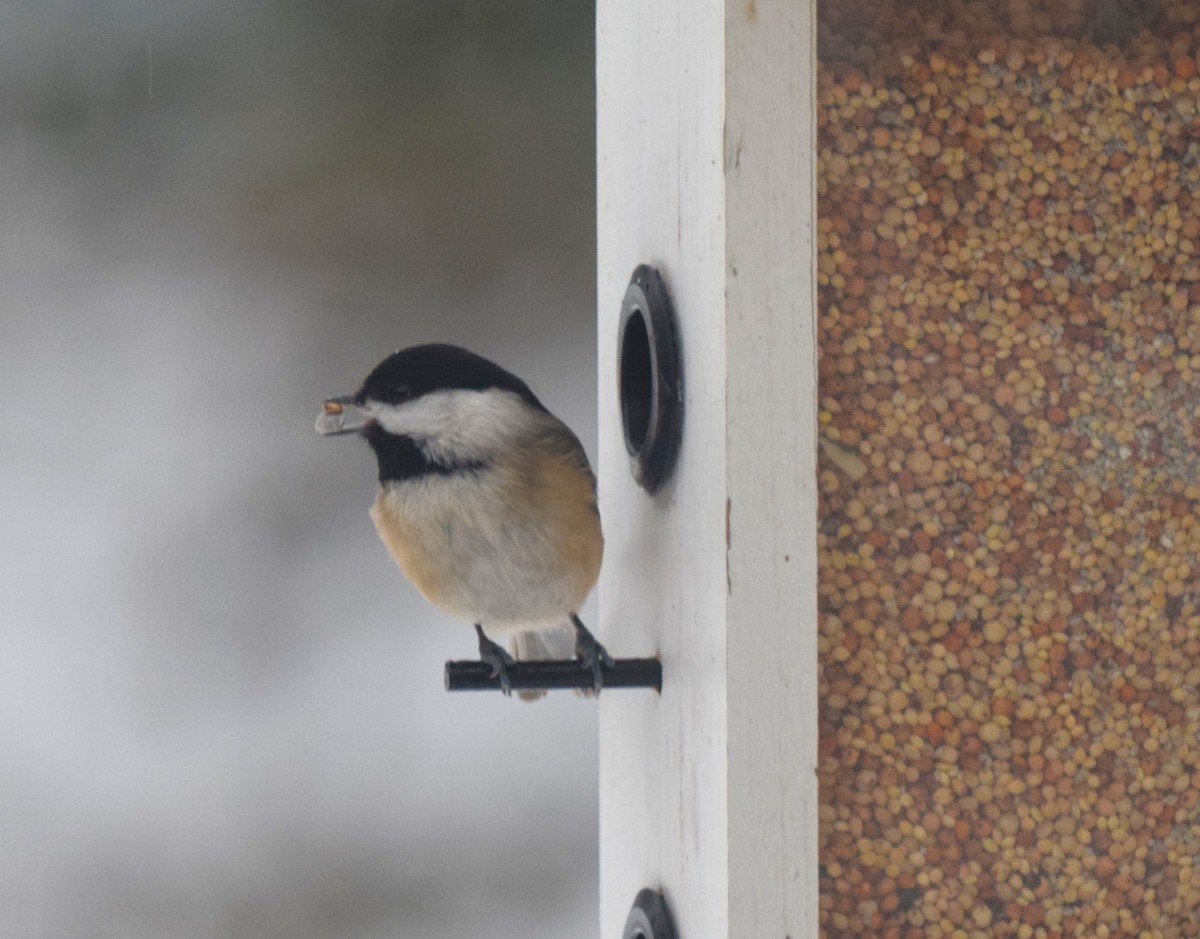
<point x="649" y="918"/>
<point x="541" y="676"/>
<point x="651" y="381"/>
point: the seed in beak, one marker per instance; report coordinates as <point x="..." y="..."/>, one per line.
<point x="332" y="407"/>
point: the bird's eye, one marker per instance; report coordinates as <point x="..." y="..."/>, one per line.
<point x="398" y="394"/>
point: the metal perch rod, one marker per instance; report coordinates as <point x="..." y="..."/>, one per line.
<point x="539" y="676"/>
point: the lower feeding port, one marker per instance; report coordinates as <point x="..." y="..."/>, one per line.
<point x="649" y="918"/>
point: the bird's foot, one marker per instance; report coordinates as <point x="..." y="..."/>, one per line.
<point x="492" y="654"/>
<point x="591" y="654"/>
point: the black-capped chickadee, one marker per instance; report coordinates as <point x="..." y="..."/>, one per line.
<point x="486" y="500"/>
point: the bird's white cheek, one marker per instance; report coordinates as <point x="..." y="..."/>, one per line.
<point x="457" y="425"/>
<point x="420" y="419"/>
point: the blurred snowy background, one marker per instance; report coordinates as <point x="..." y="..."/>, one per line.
<point x="221" y="709"/>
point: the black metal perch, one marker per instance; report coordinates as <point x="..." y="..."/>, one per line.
<point x="540" y="676"/>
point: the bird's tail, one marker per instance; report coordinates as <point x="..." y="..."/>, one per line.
<point x="545" y="644"/>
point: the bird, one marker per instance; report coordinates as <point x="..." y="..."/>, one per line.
<point x="486" y="501"/>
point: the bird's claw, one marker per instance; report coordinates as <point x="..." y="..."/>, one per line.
<point x="493" y="654"/>
<point x="591" y="654"/>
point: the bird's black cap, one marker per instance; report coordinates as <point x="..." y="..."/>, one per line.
<point x="418" y="370"/>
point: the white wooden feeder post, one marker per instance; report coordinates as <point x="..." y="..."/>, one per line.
<point x="706" y="143"/>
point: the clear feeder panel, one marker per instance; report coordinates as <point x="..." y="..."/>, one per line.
<point x="1009" y="333"/>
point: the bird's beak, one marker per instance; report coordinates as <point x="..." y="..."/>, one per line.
<point x="342" y="415"/>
